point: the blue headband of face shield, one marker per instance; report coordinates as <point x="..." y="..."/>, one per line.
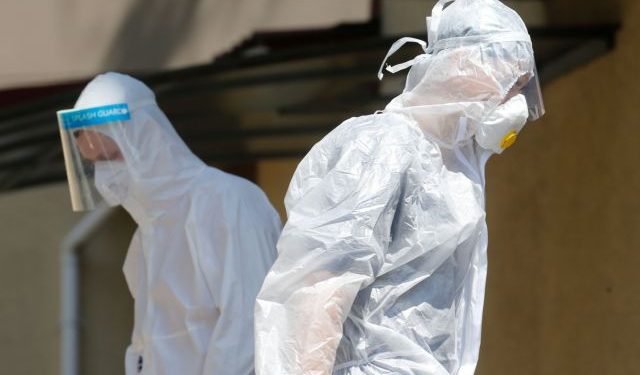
<point x="80" y="131"/>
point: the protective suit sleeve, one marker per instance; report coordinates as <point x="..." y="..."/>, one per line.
<point x="332" y="246"/>
<point x="235" y="263"/>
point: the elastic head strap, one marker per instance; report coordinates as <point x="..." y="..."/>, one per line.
<point x="433" y="22"/>
<point x="455" y="42"/>
<point x="394" y="48"/>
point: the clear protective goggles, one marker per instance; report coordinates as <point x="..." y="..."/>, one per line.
<point x="85" y="142"/>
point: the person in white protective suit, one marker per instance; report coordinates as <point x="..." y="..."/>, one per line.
<point x="205" y="238"/>
<point x="382" y="262"/>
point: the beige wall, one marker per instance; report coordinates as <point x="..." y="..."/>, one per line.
<point x="76" y="40"/>
<point x="274" y="176"/>
<point x="33" y="224"/>
<point x="564" y="217"/>
<point x="106" y="304"/>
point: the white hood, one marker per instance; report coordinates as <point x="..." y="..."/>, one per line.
<point x="156" y="160"/>
<point x="478" y="49"/>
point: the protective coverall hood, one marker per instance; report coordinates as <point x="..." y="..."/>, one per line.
<point x="154" y="158"/>
<point x="478" y="53"/>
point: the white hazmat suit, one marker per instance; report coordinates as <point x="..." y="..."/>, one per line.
<point x="382" y="262"/>
<point x="205" y="238"/>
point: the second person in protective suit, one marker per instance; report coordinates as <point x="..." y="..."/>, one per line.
<point x="382" y="262"/>
<point x="205" y="239"/>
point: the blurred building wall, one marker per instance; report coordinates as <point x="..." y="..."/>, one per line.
<point x="106" y="306"/>
<point x="274" y="177"/>
<point x="78" y="39"/>
<point x="32" y="226"/>
<point x="564" y="220"/>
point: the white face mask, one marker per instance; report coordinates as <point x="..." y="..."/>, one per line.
<point x="499" y="130"/>
<point x="112" y="181"/>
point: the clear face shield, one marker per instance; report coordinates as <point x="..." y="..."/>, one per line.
<point x="85" y="144"/>
<point x="529" y="87"/>
<point x="523" y="103"/>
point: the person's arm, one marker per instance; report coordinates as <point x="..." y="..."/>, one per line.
<point x="332" y="246"/>
<point x="244" y="242"/>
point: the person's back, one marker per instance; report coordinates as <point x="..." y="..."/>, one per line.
<point x="195" y="281"/>
<point x="205" y="238"/>
<point x="434" y="222"/>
